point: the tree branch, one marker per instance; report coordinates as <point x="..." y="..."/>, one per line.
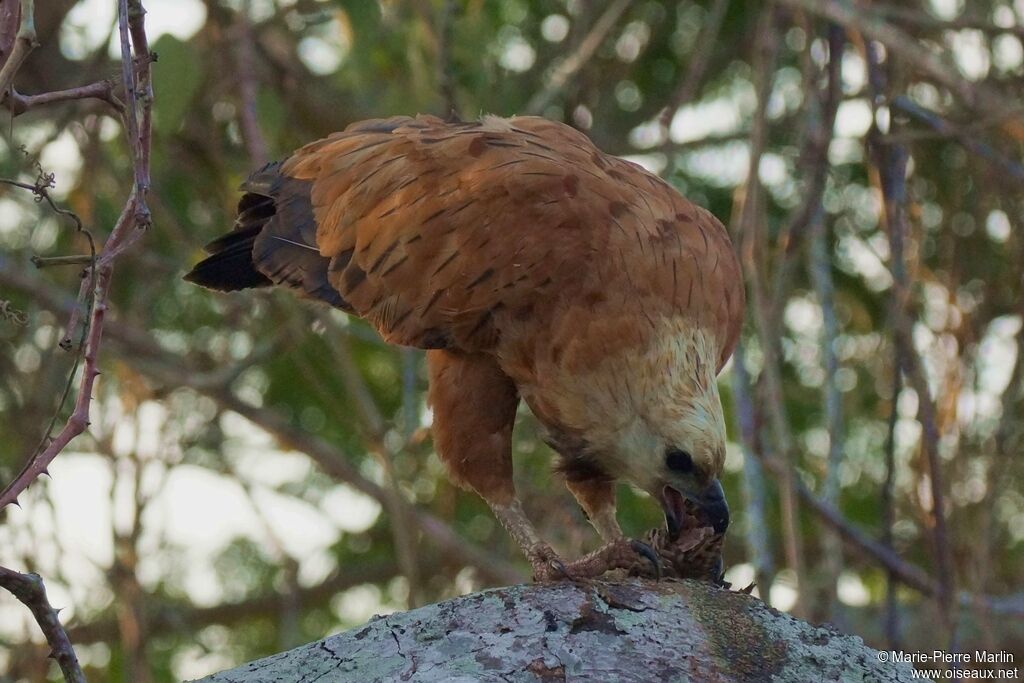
<point x="100" y="90"/>
<point x="29" y="590"/>
<point x="130" y="225"/>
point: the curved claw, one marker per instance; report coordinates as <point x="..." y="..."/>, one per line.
<point x="647" y="552"/>
<point x="560" y="567"/>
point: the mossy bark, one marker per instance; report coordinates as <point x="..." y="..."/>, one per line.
<point x="593" y="631"/>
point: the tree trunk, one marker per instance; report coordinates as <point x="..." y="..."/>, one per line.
<point x="586" y="631"/>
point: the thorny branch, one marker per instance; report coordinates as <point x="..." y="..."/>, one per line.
<point x="95" y="288"/>
<point x="134" y="218"/>
<point x="29" y="590"/>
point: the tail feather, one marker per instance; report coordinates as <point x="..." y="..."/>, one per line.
<point x="273" y="242"/>
<point x="229" y="266"/>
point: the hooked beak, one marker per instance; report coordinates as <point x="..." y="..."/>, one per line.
<point x="713" y="510"/>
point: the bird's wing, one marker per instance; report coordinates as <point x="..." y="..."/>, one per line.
<point x="432" y="230"/>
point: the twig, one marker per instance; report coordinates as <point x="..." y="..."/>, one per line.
<point x="11" y="314"/>
<point x="572" y="64"/>
<point x="44" y="182"/>
<point x="100" y="90"/>
<point x="134" y="216"/>
<point x="75" y="260"/>
<point x="79" y="419"/>
<point x="41" y="190"/>
<point x="138" y="96"/>
<point x="29" y="590"/>
<point x="24" y="42"/>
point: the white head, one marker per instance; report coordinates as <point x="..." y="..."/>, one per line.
<point x="672" y="440"/>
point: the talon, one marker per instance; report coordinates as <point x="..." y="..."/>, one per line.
<point x="547" y="566"/>
<point x="647" y="552"/>
<point x="560" y="567"/>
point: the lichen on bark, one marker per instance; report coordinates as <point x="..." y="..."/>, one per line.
<point x="633" y="630"/>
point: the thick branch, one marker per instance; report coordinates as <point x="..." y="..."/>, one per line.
<point x="594" y="631"/>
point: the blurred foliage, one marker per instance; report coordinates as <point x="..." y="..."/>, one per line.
<point x="320" y="65"/>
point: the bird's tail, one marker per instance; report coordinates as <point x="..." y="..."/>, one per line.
<point x="230" y="266"/>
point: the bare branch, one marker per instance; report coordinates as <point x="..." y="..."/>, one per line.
<point x="75" y="260"/>
<point x="134" y="217"/>
<point x="29" y="590"/>
<point x="100" y="90"/>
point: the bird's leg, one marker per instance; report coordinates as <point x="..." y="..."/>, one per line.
<point x="474" y="410"/>
<point x="597" y="498"/>
<point x="545" y="562"/>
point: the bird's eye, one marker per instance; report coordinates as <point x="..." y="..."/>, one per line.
<point x="678" y="461"/>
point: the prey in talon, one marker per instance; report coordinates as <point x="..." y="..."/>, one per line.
<point x="532" y="267"/>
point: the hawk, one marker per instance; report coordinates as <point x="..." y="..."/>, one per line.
<point x="532" y="267"/>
